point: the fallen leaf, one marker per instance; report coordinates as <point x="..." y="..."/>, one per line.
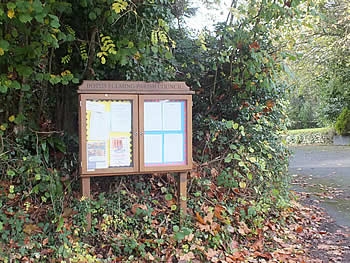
<point x="237" y="256"/>
<point x="258" y="245"/>
<point x="67" y="212"/>
<point x="266" y="255"/>
<point x="200" y="219"/>
<point x="187" y="257"/>
<point x="46" y="251"/>
<point x="243" y="229"/>
<point x="298" y="229"/>
<point x="136" y="206"/>
<point x="30" y="228"/>
<point x="150" y="256"/>
<point x="217" y="211"/>
<point x="45" y="241"/>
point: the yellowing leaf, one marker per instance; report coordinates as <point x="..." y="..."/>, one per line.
<point x="12" y="118"/>
<point x="11" y="13"/>
<point x="103" y="60"/>
<point x="119" y="6"/>
<point x="2" y="52"/>
<point x="242" y="185"/>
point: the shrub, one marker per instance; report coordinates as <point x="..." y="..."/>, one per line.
<point x="342" y="125"/>
<point x="310" y="136"/>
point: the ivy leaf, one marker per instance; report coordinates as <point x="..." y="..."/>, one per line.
<point x="4" y="45"/>
<point x="25" y="87"/>
<point x="40" y="18"/>
<point x="38" y="6"/>
<point x="168" y="55"/>
<point x="3" y="89"/>
<point x="24" y="71"/>
<point x="92" y="16"/>
<point x="24" y="18"/>
<point x="15" y="85"/>
<point x="168" y="197"/>
<point x="55" y="23"/>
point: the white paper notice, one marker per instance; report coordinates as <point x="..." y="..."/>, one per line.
<point x="172" y="116"/>
<point x="173" y="148"/>
<point x="121" y="116"/>
<point x="94" y="106"/>
<point x="153" y="116"/>
<point x="153" y="148"/>
<point x="99" y="126"/>
<point x="120" y="153"/>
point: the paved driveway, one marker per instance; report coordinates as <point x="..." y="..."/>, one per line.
<point x="324" y="172"/>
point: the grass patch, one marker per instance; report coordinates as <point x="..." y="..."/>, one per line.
<point x="312" y="130"/>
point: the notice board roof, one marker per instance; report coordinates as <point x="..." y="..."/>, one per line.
<point x="133" y="87"/>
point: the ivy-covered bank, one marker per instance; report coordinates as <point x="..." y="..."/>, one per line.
<point x="311" y="136"/>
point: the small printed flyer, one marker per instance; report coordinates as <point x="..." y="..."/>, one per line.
<point x="96" y="155"/>
<point x="120" y="151"/>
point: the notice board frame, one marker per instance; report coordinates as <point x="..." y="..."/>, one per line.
<point x="138" y="92"/>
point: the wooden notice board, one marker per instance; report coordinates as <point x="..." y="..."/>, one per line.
<point x="134" y="127"/>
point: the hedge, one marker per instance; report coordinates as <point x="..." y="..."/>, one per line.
<point x="311" y="136"/>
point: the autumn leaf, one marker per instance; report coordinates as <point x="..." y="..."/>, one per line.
<point x="200" y="219"/>
<point x="243" y="229"/>
<point x="187" y="257"/>
<point x="67" y="212"/>
<point x="214" y="173"/>
<point x="211" y="253"/>
<point x="233" y="245"/>
<point x="258" y="245"/>
<point x="237" y="256"/>
<point x="298" y="229"/>
<point x="45" y="241"/>
<point x="46" y="251"/>
<point x="255" y="45"/>
<point x="30" y="228"/>
<point x="270" y="103"/>
<point x="150" y="257"/>
<point x="217" y="212"/>
<point x="266" y="255"/>
<point x="138" y="206"/>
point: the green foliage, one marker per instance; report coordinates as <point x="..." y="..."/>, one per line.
<point x="319" y="88"/>
<point x="342" y="125"/>
<point x="240" y="114"/>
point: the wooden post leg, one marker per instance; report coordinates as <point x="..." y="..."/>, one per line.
<point x="182" y="190"/>
<point x="85" y="191"/>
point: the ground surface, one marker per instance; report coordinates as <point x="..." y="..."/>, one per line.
<point x="322" y="179"/>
